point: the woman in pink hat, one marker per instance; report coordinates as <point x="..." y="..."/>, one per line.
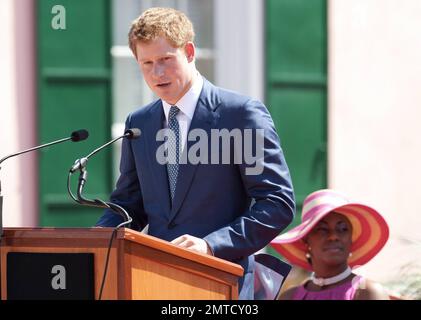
<point x="335" y="235"/>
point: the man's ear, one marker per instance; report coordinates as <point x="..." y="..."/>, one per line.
<point x="190" y="50"/>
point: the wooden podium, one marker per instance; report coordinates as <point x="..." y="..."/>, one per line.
<point x="140" y="266"/>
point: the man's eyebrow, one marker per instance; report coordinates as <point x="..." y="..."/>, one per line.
<point x="169" y="54"/>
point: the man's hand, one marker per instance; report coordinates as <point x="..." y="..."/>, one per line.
<point x="192" y="243"/>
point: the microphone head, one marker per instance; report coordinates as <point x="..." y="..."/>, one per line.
<point x="132" y="133"/>
<point x="79" y="135"/>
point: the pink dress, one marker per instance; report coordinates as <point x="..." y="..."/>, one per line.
<point x="345" y="291"/>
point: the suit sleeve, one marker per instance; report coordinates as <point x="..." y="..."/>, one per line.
<point x="267" y="183"/>
<point x="127" y="193"/>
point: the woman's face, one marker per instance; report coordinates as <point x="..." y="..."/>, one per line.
<point x="330" y="241"/>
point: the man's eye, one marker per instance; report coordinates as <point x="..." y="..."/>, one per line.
<point x="147" y="63"/>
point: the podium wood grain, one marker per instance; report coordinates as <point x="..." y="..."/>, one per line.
<point x="140" y="266"/>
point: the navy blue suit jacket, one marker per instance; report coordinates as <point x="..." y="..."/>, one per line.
<point x="237" y="214"/>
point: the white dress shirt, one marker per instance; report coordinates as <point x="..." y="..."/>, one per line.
<point x="187" y="105"/>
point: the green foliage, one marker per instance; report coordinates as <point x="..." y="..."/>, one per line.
<point x="408" y="283"/>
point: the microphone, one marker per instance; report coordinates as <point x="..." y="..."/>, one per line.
<point x="133" y="133"/>
<point x="75" y="136"/>
<point x="79" y="135"/>
<point x="81" y="163"/>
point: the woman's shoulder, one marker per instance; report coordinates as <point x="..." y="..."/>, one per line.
<point x="288" y="294"/>
<point x="370" y="290"/>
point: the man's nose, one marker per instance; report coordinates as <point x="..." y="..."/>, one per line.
<point x="158" y="70"/>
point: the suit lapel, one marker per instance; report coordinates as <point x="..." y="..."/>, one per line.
<point x="204" y="118"/>
<point x="159" y="171"/>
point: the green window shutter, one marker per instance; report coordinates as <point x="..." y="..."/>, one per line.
<point x="74" y="92"/>
<point x="296" y="71"/>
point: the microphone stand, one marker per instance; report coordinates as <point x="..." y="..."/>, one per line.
<point x="75" y="137"/>
<point x="81" y="164"/>
<point x="16" y="154"/>
<point x="98" y="203"/>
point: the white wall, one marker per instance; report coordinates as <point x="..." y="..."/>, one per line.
<point x="239" y="46"/>
<point x="17" y="103"/>
<point x="374" y="118"/>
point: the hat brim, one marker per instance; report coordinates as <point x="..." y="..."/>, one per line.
<point x="369" y="234"/>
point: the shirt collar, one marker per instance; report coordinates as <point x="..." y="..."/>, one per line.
<point x="187" y="104"/>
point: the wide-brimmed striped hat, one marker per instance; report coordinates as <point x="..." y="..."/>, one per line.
<point x="369" y="229"/>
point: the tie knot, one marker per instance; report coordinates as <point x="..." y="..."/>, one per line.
<point x="173" y="112"/>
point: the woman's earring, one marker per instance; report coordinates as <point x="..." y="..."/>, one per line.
<point x="308" y="256"/>
<point x="350" y="254"/>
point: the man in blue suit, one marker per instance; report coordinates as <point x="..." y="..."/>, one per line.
<point x="227" y="208"/>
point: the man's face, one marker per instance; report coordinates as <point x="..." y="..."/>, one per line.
<point x="168" y="71"/>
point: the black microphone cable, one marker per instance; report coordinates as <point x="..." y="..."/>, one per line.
<point x="80" y="165"/>
<point x="107" y="205"/>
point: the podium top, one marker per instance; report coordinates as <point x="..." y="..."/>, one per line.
<point x="33" y="235"/>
